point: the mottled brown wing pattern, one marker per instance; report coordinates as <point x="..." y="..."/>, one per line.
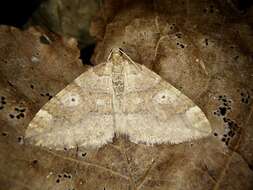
<point x="79" y="115"/>
<point x="156" y="112"/>
<point x="120" y="97"/>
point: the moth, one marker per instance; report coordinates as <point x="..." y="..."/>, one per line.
<point x="117" y="97"/>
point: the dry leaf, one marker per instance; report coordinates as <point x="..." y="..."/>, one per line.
<point x="215" y="73"/>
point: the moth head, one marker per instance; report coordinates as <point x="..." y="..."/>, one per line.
<point x="116" y="55"/>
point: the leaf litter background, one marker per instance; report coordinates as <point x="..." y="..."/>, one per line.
<point x="199" y="47"/>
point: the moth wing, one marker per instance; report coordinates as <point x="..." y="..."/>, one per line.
<point x="80" y="114"/>
<point x="156" y="112"/>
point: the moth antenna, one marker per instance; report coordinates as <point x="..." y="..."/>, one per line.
<point x="138" y="67"/>
<point x="110" y="54"/>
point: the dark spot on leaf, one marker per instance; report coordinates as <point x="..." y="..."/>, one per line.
<point x="245" y="97"/>
<point x="246" y="101"/>
<point x="225" y="104"/>
<point x="22" y="110"/>
<point x="225" y="119"/>
<point x="223" y="110"/>
<point x="231" y="133"/>
<point x="206" y="42"/>
<point x="232" y="124"/>
<point x="4" y="134"/>
<point x="179" y="35"/>
<point x="224" y="100"/>
<point x="84" y="154"/>
<point x="236" y="57"/>
<point x="10" y="84"/>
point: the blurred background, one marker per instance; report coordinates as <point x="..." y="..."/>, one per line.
<point x="73" y="18"/>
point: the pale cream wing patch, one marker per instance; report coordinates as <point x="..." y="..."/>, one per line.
<point x="156" y="112"/>
<point x="79" y="115"/>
